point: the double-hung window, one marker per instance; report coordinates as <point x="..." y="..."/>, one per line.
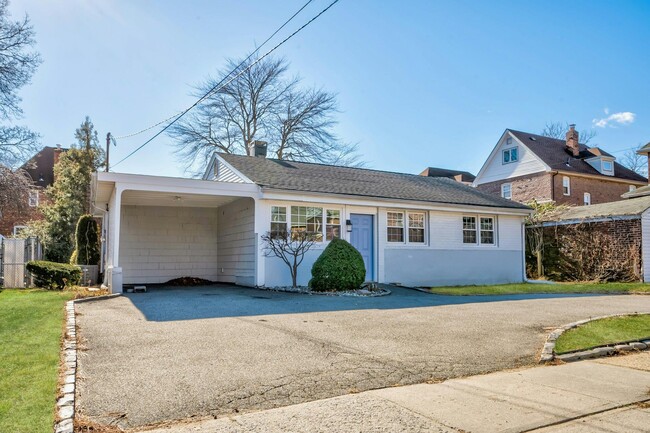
<point x="506" y="190"/>
<point x="319" y="222"/>
<point x="479" y="230"/>
<point x="587" y="199"/>
<point x="510" y="155"/>
<point x="405" y="227"/>
<point x="33" y="199"/>
<point x="566" y="185"/>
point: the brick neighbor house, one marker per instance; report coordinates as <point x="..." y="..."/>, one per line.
<point x="459" y="176"/>
<point x="525" y="167"/>
<point x="40" y="169"/>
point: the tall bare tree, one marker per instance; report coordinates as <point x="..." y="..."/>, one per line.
<point x="636" y="162"/>
<point x="18" y="62"/>
<point x="558" y="130"/>
<point x="14" y="190"/>
<point x="261" y="104"/>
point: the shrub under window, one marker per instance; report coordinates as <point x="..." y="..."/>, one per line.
<point x="339" y="267"/>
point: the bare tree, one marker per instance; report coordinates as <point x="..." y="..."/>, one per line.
<point x="15" y="186"/>
<point x="260" y="104"/>
<point x="535" y="230"/>
<point x="17" y="65"/>
<point x="559" y="129"/>
<point x="635" y="162"/>
<point x="290" y="246"/>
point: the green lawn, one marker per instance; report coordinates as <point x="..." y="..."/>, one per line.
<point x="604" y="331"/>
<point x="31" y="324"/>
<point x="509" y="289"/>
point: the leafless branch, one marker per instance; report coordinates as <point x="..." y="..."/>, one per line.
<point x="290" y="247"/>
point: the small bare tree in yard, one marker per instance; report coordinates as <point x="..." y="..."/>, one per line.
<point x="14" y="190"/>
<point x="558" y="130"/>
<point x="290" y="246"/>
<point x="535" y="230"/>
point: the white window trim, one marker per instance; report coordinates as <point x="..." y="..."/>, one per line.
<point x="18" y="228"/>
<point x="33" y="193"/>
<point x="608" y="170"/>
<point x="503" y="193"/>
<point x="632" y="188"/>
<point x="323" y="231"/>
<point x="586" y="200"/>
<point x="406" y="239"/>
<point x="509" y="150"/>
<point x="566" y="183"/>
<point x="495" y="230"/>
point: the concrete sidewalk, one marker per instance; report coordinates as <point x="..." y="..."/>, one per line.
<point x="609" y="395"/>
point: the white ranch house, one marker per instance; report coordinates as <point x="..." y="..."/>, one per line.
<point x="410" y="229"/>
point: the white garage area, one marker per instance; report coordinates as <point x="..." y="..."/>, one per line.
<point x="179" y="228"/>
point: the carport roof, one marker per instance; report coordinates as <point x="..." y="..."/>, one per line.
<point x="621" y="208"/>
<point x="331" y="179"/>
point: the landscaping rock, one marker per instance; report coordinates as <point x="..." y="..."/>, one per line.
<point x="637" y="345"/>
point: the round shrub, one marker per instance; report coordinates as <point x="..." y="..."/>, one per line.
<point x="50" y="275"/>
<point x="339" y="267"/>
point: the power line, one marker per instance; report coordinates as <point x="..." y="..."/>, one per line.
<point x="220" y="86"/>
<point x="227" y="75"/>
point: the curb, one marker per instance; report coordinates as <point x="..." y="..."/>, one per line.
<point x="548" y="352"/>
<point x="65" y="405"/>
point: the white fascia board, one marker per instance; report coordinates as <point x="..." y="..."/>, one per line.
<point x="140" y="182"/>
<point x="342" y="199"/>
<point x="495" y="152"/>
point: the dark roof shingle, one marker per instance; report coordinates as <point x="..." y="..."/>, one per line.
<point x="330" y="179"/>
<point x="459" y="175"/>
<point x="554" y="153"/>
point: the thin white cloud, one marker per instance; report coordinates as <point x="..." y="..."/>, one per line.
<point x="620" y="118"/>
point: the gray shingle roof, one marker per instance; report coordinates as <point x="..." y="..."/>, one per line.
<point x="465" y="176"/>
<point x="629" y="207"/>
<point x="554" y="153"/>
<point x="330" y="179"/>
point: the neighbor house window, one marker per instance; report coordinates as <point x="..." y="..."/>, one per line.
<point x="510" y="155"/>
<point x="395" y="226"/>
<point x="608" y="166"/>
<point x="632" y="188"/>
<point x="416" y="227"/>
<point x="18" y="230"/>
<point x="307" y="219"/>
<point x="506" y="191"/>
<point x="566" y="185"/>
<point x="333" y="224"/>
<point x="278" y="220"/>
<point x="482" y="233"/>
<point x="587" y="199"/>
<point x="33" y="198"/>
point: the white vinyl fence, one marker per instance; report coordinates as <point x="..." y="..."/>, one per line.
<point x="14" y="255"/>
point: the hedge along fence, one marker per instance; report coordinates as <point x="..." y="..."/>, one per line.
<point x="54" y="276"/>
<point x="590" y="251"/>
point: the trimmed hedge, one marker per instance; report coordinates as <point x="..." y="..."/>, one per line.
<point x="54" y="276"/>
<point x="86" y="250"/>
<point x="340" y="267"/>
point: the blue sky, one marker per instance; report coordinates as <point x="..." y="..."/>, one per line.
<point x="419" y="83"/>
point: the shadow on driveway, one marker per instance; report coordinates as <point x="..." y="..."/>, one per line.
<point x="162" y="304"/>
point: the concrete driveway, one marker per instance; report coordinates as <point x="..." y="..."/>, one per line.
<point x="193" y="352"/>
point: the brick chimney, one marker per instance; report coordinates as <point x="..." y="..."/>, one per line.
<point x="572" y="140"/>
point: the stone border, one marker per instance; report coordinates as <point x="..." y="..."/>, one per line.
<point x="383" y="291"/>
<point x="548" y="352"/>
<point x="65" y="405"/>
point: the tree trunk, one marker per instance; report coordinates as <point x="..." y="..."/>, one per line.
<point x="540" y="267"/>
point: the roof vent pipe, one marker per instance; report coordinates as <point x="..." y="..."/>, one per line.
<point x="260" y="148"/>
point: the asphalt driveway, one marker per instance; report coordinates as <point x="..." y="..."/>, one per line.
<point x="191" y="352"/>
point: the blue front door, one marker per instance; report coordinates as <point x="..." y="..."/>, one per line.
<point x="361" y="239"/>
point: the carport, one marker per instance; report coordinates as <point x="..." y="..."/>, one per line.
<point x="165" y="228"/>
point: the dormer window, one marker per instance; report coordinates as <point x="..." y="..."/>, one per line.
<point x="510" y="155"/>
<point x="608" y="166"/>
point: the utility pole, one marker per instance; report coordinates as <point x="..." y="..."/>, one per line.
<point x="108" y="148"/>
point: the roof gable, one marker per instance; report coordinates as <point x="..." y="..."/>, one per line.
<point x="329" y="179"/>
<point x="555" y="155"/>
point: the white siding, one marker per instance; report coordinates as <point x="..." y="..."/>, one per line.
<point x="645" y="245"/>
<point x="159" y="243"/>
<point x="237" y="244"/>
<point x="225" y="173"/>
<point x="495" y="169"/>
